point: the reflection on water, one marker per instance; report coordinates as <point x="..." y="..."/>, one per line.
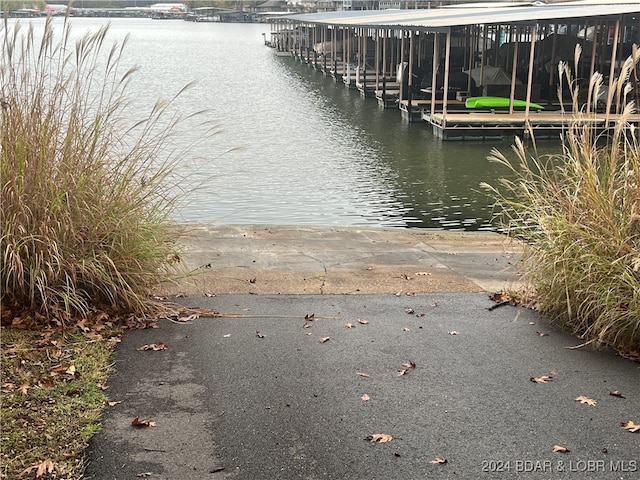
<point x="294" y="147"/>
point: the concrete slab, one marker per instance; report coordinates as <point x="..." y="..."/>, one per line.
<point x="293" y="260"/>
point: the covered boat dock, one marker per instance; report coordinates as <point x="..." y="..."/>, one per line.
<point x="481" y="70"/>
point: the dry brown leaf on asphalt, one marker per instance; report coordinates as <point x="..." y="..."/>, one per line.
<point x="542" y="379"/>
<point x="349" y="325"/>
<point x="310" y="318"/>
<point x="136" y="422"/>
<point x="189" y="318"/>
<point x="617" y="393"/>
<point x="144" y="474"/>
<point x="365" y="397"/>
<point x="453" y="332"/>
<point x="324" y="339"/>
<point x="113" y="404"/>
<point x="406" y="367"/>
<point x="409" y="310"/>
<point x="379" y="438"/>
<point x="154" y="347"/>
<point x="363" y="321"/>
<point x="406" y="329"/>
<point x="362" y="374"/>
<point x="587" y="400"/>
<point x="438" y="461"/>
<point x="253" y="280"/>
<point x="560" y="449"/>
<point x="259" y="334"/>
<point x="630" y="426"/>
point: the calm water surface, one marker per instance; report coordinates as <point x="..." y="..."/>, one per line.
<point x="294" y="147"/>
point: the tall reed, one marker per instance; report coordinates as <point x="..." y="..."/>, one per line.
<point x="579" y="213"/>
<point x="85" y="204"/>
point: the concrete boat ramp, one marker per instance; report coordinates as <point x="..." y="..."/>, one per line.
<point x="350" y="353"/>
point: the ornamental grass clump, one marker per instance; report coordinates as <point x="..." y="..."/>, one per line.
<point x="578" y="211"/>
<point x="85" y="206"/>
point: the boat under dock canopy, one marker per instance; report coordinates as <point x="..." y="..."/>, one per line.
<point x="534" y="60"/>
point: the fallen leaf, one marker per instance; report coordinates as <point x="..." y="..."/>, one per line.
<point x="406" y="367"/>
<point x="324" y="339"/>
<point x="253" y="280"/>
<point x="542" y="334"/>
<point x="409" y="310"/>
<point x="45" y="467"/>
<point x="24" y="388"/>
<point x="406" y="329"/>
<point x="411" y="294"/>
<point x="453" y="332"/>
<point x="58" y="369"/>
<point x="587" y="400"/>
<point x="8" y="387"/>
<point x="398" y="294"/>
<point x="365" y="397"/>
<point x="438" y="461"/>
<point x="259" y="334"/>
<point x="113" y="404"/>
<point x="362" y="321"/>
<point x="136" y="422"/>
<point x="560" y="449"/>
<point x="310" y="318"/>
<point x="617" y="393"/>
<point x="153" y="346"/>
<point x="630" y="426"/>
<point x="434" y="303"/>
<point x="227" y="335"/>
<point x="542" y="379"/>
<point x="306" y="325"/>
<point x="379" y="438"/>
<point x="189" y="318"/>
<point x="144" y="474"/>
<point x="362" y="374"/>
<point x="349" y="325"/>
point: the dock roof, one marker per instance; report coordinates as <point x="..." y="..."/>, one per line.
<point x="441" y="19"/>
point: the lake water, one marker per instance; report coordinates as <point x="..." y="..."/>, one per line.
<point x="293" y="146"/>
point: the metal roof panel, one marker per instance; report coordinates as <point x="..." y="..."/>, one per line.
<point x="438" y="18"/>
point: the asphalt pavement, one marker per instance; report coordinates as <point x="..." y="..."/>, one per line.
<point x="416" y="376"/>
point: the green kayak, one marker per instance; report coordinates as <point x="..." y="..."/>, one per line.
<point x="497" y="102"/>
